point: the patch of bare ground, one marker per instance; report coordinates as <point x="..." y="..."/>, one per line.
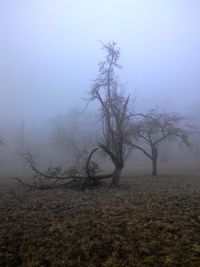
<point x="146" y="222"/>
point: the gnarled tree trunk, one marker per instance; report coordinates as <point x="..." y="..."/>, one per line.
<point x="116" y="176"/>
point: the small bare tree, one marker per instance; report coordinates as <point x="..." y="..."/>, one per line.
<point x="21" y="138"/>
<point x="116" y="110"/>
<point x="156" y="127"/>
<point x="1" y="141"/>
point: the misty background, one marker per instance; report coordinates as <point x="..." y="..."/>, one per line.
<point x="49" y="54"/>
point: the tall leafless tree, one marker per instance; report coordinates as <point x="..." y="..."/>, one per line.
<point x="115" y="110"/>
<point x="156" y="127"/>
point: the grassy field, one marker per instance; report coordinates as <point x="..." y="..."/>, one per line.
<point x="146" y="222"/>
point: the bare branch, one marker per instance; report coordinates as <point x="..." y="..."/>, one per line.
<point x="141" y="149"/>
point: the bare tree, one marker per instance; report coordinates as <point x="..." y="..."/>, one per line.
<point x="115" y="110"/>
<point x="21" y="137"/>
<point x="156" y="127"/>
<point x="72" y="134"/>
<point x="1" y="142"/>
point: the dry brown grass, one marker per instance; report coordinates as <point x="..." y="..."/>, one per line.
<point x="146" y="222"/>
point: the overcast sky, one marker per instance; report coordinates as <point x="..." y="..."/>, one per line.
<point x="49" y="52"/>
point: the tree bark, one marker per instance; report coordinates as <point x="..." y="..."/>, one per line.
<point x="116" y="176"/>
<point x="154" y="169"/>
<point x="154" y="157"/>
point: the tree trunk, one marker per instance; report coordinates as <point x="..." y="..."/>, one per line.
<point x="116" y="176"/>
<point x="154" y="157"/>
<point x="155" y="169"/>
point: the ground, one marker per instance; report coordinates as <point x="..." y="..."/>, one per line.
<point x="146" y="222"/>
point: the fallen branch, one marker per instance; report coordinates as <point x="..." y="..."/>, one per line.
<point x="88" y="176"/>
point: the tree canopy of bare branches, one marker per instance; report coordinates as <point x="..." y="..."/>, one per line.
<point x="156" y="127"/>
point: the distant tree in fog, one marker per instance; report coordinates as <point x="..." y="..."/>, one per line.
<point x="1" y="141"/>
<point x="21" y="138"/>
<point x="115" y="111"/>
<point x="72" y="134"/>
<point x="155" y="128"/>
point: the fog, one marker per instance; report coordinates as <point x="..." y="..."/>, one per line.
<point x="49" y="54"/>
